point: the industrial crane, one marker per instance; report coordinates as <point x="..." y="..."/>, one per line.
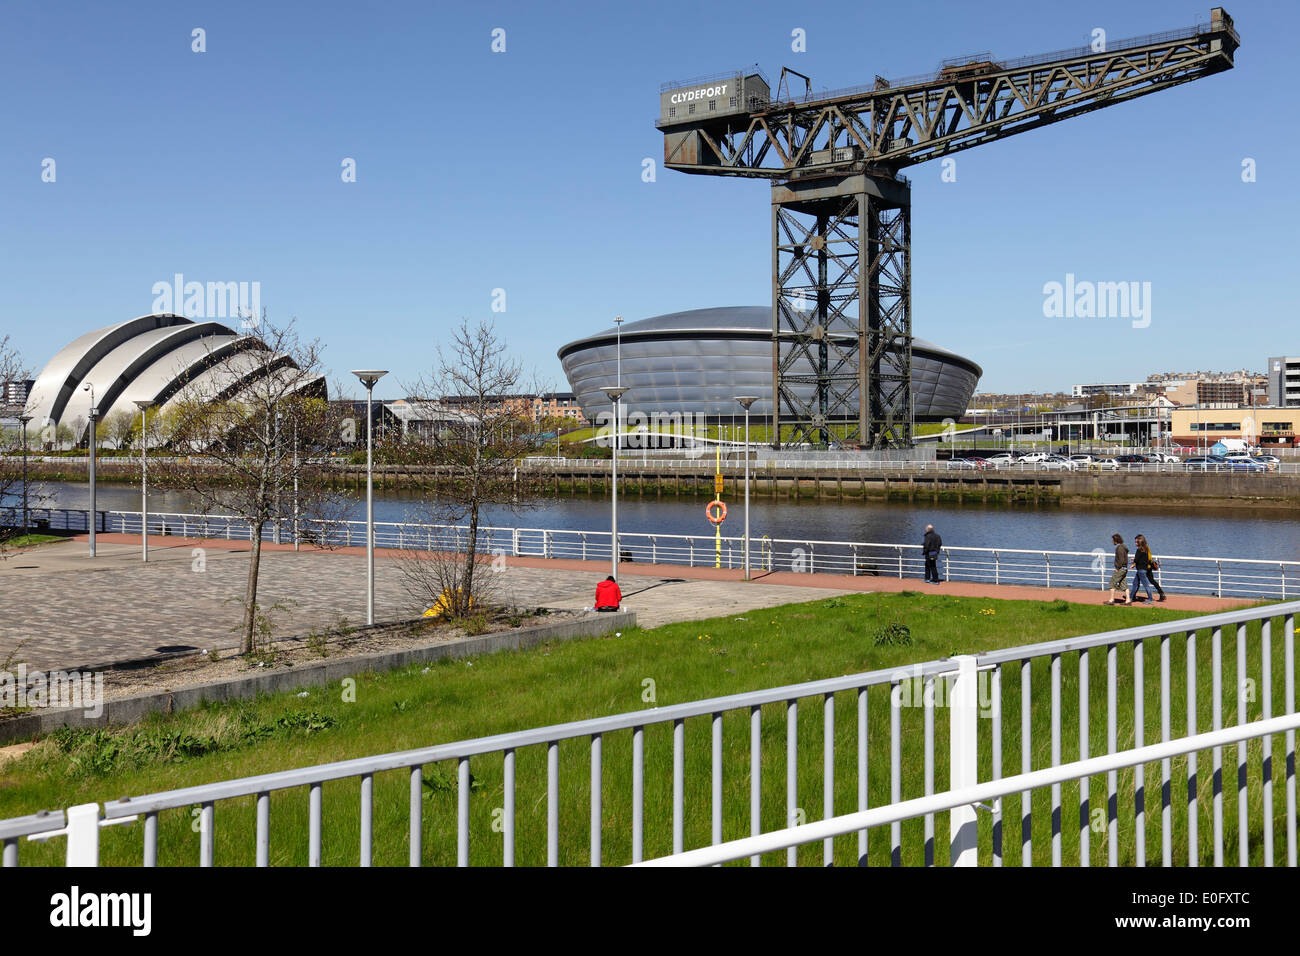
<point x="841" y="210"/>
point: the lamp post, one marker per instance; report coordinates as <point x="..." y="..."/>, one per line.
<point x="23" y="420"/>
<point x="93" y="414"/>
<point x="143" y="404"/>
<point x="618" y="350"/>
<point x="614" y="395"/>
<point x="368" y="378"/>
<point x="746" y="401"/>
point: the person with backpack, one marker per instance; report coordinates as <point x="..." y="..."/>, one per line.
<point x="1121" y="571"/>
<point x="1141" y="566"/>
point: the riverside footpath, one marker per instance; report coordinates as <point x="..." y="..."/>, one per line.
<point x="66" y="610"/>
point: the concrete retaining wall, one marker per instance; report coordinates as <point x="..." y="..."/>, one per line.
<point x="125" y="710"/>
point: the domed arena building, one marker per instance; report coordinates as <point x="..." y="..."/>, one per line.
<point x="155" y="358"/>
<point x="697" y="362"/>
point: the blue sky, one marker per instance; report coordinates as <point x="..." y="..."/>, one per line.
<point x="522" y="171"/>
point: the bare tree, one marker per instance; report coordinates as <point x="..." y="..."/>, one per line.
<point x="249" y="427"/>
<point x="482" y="429"/>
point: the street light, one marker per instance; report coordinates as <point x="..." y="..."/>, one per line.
<point x="143" y="404"/>
<point x="746" y="401"/>
<point x="23" y="420"/>
<point x="614" y="395"/>
<point x="368" y="378"/>
<point x="618" y="350"/>
<point x="93" y="413"/>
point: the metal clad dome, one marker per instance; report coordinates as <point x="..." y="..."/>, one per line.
<point x="698" y="361"/>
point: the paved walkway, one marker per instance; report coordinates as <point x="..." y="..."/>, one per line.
<point x="70" y="610"/>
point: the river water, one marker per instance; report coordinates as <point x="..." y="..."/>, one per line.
<point x="1195" y="532"/>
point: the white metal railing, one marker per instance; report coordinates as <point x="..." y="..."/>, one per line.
<point x="841" y="765"/>
<point x="1188" y="574"/>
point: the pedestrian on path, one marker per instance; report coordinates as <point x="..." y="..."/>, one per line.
<point x="1121" y="571"/>
<point x="1141" y="567"/>
<point x="608" y="596"/>
<point x="931" y="545"/>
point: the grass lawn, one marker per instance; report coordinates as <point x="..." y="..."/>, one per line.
<point x="508" y="691"/>
<point x="27" y="540"/>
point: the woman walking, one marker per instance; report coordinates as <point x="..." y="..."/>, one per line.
<point x="1141" y="568"/>
<point x="1121" y="570"/>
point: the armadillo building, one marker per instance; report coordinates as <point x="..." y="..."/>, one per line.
<point x="155" y="358"/>
<point x="697" y="362"/>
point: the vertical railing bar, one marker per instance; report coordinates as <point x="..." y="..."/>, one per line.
<point x="995" y="702"/>
<point x="1193" y="809"/>
<point x="462" y="811"/>
<point x="264" y="829"/>
<point x="367" y="818"/>
<point x="1243" y="809"/>
<point x="927" y="701"/>
<point x="206" y="836"/>
<point x="755" y="776"/>
<point x="553" y="803"/>
<point x="11" y="851"/>
<point x="1216" y="693"/>
<point x="1166" y="765"/>
<point x="1288" y="652"/>
<point x="1026" y="765"/>
<point x="416" y="817"/>
<point x="313" y="826"/>
<point x="1085" y="847"/>
<point x="1112" y="743"/>
<point x="716" y="780"/>
<point x="828" y="773"/>
<point x="1139" y="771"/>
<point x="1056" y="758"/>
<point x="596" y="793"/>
<point x="791" y="774"/>
<point x="638" y="792"/>
<point x="862" y="770"/>
<point x="895" y="770"/>
<point x="1266" y="753"/>
<point x="508" y="811"/>
<point x="150" y="841"/>
<point x="679" y="772"/>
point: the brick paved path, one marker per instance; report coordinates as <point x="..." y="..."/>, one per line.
<point x="72" y="611"/>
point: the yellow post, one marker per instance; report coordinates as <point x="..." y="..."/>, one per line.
<point x="717" y="496"/>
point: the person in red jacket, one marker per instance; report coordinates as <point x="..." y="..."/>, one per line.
<point x="608" y="596"/>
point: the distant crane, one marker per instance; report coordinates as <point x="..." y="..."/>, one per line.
<point x="841" y="211"/>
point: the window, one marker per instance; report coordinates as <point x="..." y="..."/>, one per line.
<point x="672" y="111"/>
<point x="690" y="108"/>
<point x="732" y="104"/>
<point x="713" y="105"/>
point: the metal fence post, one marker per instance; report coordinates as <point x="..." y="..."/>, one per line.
<point x="963" y="712"/>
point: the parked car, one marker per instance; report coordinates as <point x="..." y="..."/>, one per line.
<point x="1056" y="463"/>
<point x="1032" y="458"/>
<point x="962" y="464"/>
<point x="1244" y="464"/>
<point x="1082" y="459"/>
<point x="1268" y="461"/>
<point x="1204" y="463"/>
<point x="1166" y="458"/>
<point x="1104" y="464"/>
<point x="1001" y="460"/>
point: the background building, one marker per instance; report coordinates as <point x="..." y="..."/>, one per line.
<point x="153" y="357"/>
<point x="1284" y="381"/>
<point x="697" y="362"/>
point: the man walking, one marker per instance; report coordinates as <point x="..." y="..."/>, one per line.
<point x="930" y="547"/>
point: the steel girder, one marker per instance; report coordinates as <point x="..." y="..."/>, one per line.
<point x="894" y="126"/>
<point x="841" y="311"/>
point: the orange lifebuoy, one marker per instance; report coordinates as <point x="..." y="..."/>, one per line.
<point x="721" y="514"/>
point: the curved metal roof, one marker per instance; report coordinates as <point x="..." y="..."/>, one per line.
<point x="736" y="320"/>
<point x="150" y="357"/>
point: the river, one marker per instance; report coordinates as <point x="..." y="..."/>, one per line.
<point x="1202" y="532"/>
